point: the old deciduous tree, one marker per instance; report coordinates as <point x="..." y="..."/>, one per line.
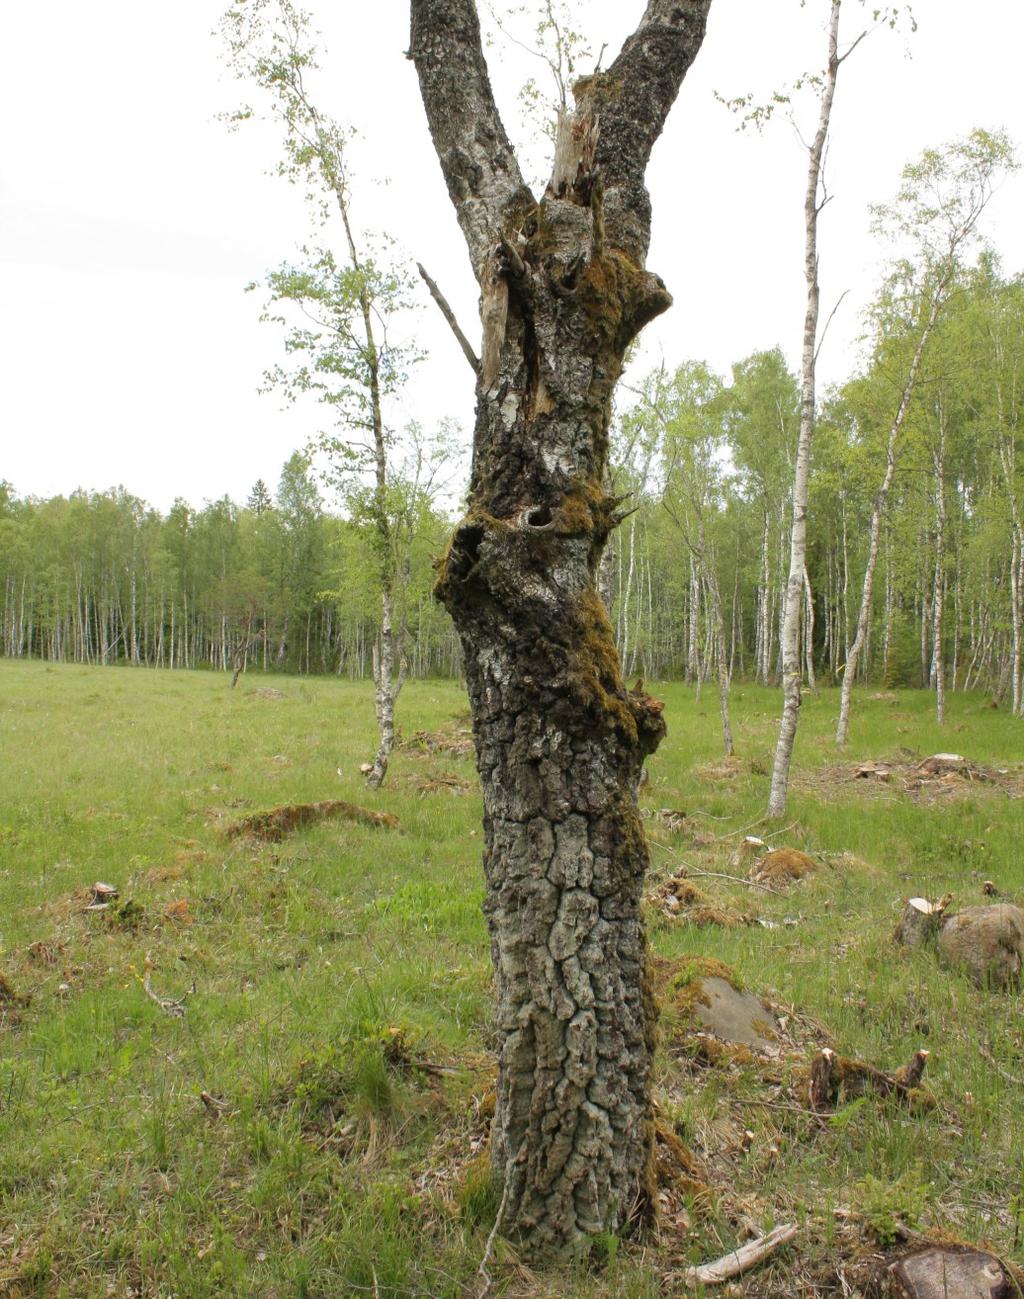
<point x="560" y="741"/>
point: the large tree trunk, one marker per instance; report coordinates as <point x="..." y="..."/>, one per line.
<point x="560" y="742"/>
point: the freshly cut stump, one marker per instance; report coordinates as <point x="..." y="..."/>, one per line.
<point x="945" y="1272"/>
<point x="920" y="921"/>
<point x="987" y="942"/>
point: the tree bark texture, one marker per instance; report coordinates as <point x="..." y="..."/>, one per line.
<point x="560" y="742"/>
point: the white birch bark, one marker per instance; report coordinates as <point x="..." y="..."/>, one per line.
<point x="791" y="674"/>
<point x="939" y="587"/>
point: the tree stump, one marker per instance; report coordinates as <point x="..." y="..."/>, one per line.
<point x="948" y="1272"/>
<point x="920" y="921"/>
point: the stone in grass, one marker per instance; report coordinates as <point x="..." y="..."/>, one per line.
<point x="986" y="942"/>
<point x="947" y="1272"/>
<point x="738" y="1018"/>
<point x="702" y="996"/>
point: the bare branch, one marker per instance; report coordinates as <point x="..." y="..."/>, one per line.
<point x="449" y="315"/>
<point x="831" y="316"/>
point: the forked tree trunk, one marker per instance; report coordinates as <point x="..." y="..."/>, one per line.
<point x="559" y="741"/>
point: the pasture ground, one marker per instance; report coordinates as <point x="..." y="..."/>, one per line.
<point x="315" y="1123"/>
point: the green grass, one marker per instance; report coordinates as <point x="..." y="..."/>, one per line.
<point x="326" y="966"/>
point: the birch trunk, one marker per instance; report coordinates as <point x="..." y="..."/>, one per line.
<point x="809" y="633"/>
<point x="764" y="638"/>
<point x="791" y="672"/>
<point x="939" y="587"/>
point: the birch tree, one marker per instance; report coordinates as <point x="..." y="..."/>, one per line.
<point x="559" y="740"/>
<point x="346" y="356"/>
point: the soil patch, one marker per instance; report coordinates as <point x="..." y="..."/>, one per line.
<point x="272" y="826"/>
<point x="454" y="738"/>
<point x="933" y="779"/>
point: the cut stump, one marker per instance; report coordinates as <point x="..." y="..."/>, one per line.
<point x="921" y="920"/>
<point x="946" y="1272"/>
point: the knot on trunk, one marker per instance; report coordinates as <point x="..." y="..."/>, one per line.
<point x="650" y="722"/>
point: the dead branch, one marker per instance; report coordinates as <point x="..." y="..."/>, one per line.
<point x="169" y="1005"/>
<point x="1003" y="1073"/>
<point x="449" y="315"/>
<point x="740" y="1260"/>
<point x="716" y="875"/>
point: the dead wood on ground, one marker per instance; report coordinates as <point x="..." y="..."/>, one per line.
<point x="836" y="1079"/>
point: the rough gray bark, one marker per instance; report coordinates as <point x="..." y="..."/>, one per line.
<point x="560" y="742"/>
<point x="791" y="668"/>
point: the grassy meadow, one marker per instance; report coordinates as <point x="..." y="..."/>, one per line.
<point x="314" y="1123"/>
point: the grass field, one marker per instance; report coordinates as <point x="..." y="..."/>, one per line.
<point x="339" y="1024"/>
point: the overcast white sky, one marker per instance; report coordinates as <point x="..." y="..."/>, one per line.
<point x="131" y="220"/>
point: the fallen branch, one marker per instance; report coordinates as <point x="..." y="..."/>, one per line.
<point x="715" y="875"/>
<point x="1003" y="1073"/>
<point x="774" y="1105"/>
<point x="736" y="879"/>
<point x="740" y="1260"/>
<point x="169" y="1005"/>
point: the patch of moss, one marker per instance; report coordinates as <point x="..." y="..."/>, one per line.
<point x="599" y="88"/>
